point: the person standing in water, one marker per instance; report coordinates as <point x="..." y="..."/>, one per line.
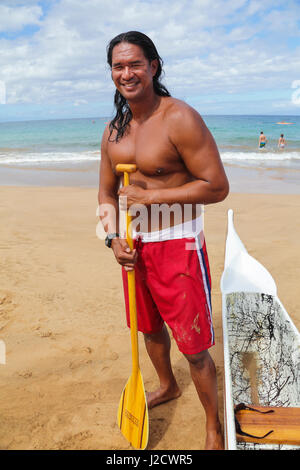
<point x="262" y="140"/>
<point x="281" y="142"/>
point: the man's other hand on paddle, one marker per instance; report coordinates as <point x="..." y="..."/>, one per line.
<point x="132" y="195"/>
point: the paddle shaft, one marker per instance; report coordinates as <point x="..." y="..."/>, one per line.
<point x="133" y="418"/>
<point x="131" y="293"/>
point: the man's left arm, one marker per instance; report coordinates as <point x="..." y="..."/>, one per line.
<point x="198" y="150"/>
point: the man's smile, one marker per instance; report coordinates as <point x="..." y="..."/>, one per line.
<point x="129" y="84"/>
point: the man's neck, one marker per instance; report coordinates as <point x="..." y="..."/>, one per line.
<point x="142" y="110"/>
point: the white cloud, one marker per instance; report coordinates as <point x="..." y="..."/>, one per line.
<point x="221" y="46"/>
<point x="14" y="19"/>
<point x="80" y="102"/>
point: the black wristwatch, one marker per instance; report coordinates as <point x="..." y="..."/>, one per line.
<point x="109" y="238"/>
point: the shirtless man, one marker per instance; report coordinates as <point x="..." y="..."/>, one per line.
<point x="262" y="140"/>
<point x="177" y="163"/>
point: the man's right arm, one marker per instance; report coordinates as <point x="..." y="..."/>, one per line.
<point x="109" y="207"/>
<point x="108" y="188"/>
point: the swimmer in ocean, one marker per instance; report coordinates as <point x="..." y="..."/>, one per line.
<point x="262" y="140"/>
<point x="281" y="142"/>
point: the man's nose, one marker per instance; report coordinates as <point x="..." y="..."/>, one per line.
<point x="127" y="73"/>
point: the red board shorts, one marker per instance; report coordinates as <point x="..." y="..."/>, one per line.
<point x="173" y="285"/>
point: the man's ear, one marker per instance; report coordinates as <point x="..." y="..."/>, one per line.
<point x="154" y="66"/>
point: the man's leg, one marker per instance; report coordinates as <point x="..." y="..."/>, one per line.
<point x="203" y="373"/>
<point x="158" y="346"/>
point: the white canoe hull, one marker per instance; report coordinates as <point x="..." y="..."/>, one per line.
<point x="261" y="343"/>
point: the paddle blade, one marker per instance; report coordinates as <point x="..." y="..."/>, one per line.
<point x="133" y="412"/>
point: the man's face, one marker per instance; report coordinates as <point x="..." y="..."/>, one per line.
<point x="132" y="73"/>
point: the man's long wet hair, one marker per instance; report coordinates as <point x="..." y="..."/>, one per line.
<point x="123" y="115"/>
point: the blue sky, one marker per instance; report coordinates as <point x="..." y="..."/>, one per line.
<point x="222" y="57"/>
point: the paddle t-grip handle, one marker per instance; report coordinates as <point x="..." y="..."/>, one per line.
<point x="126" y="167"/>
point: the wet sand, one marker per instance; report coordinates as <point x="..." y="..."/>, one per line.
<point x="62" y="317"/>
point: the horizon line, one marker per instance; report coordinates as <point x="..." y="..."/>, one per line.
<point x="108" y="117"/>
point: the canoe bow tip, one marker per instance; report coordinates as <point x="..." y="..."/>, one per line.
<point x="230" y="214"/>
<point x="230" y="220"/>
<point x="242" y="272"/>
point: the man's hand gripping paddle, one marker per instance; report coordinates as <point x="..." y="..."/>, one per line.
<point x="133" y="410"/>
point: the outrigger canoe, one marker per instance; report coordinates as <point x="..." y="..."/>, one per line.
<point x="261" y="356"/>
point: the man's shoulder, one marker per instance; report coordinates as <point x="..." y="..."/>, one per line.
<point x="176" y="109"/>
<point x="174" y="106"/>
<point x="105" y="136"/>
<point x="179" y="113"/>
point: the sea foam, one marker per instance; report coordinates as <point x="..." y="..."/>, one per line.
<point x="260" y="156"/>
<point x="16" y="158"/>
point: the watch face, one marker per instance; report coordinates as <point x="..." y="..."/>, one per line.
<point x="108" y="241"/>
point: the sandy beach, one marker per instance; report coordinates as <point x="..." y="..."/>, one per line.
<point x="171" y="87"/>
<point x="62" y="317"/>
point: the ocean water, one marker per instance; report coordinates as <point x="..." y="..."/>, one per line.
<point x="237" y="140"/>
<point x="53" y="142"/>
<point x="69" y="142"/>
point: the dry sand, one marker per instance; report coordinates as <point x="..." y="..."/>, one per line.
<point x="62" y="318"/>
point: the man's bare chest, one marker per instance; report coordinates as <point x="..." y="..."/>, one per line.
<point x="149" y="147"/>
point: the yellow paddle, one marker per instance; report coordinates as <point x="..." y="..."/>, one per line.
<point x="133" y="410"/>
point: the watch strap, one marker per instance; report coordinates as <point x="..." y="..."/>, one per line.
<point x="110" y="237"/>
